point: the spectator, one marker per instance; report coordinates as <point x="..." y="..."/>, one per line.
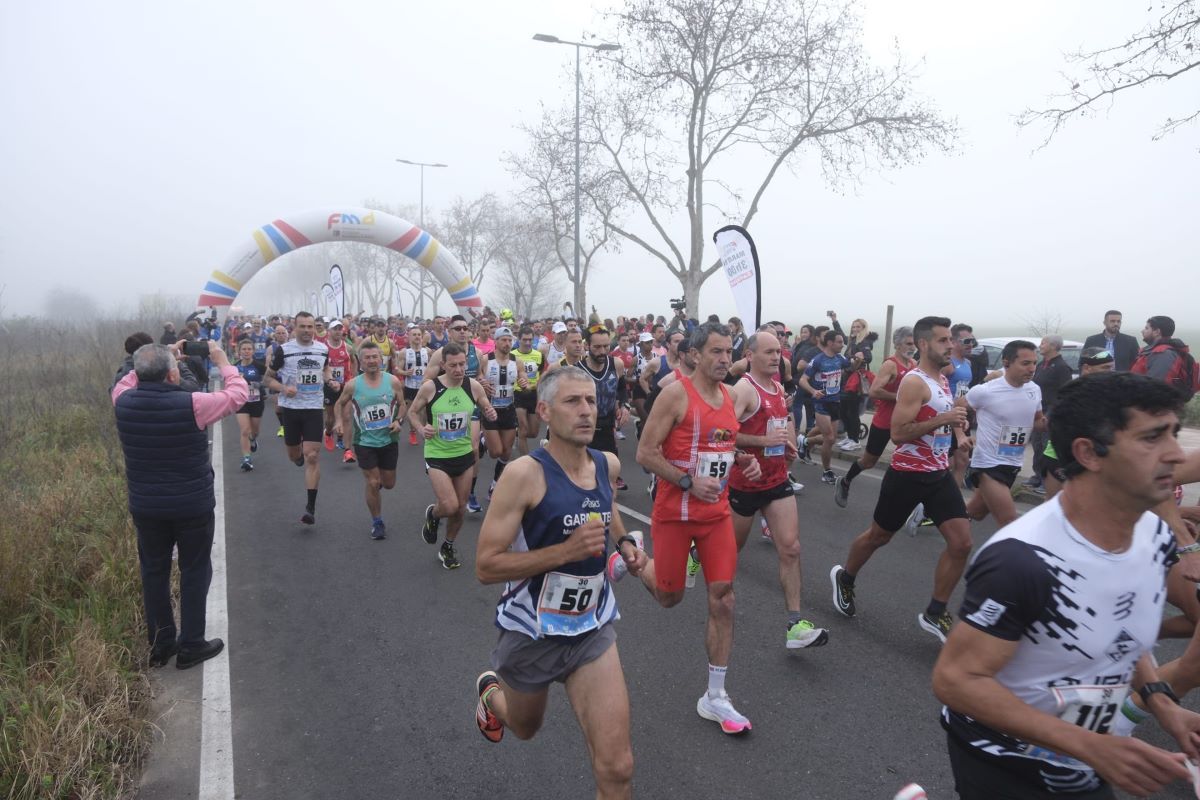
<point x="739" y="337"/>
<point x="1121" y="346"/>
<point x="132" y="342"/>
<point x="171" y="499"/>
<point x="859" y="351"/>
<point x="168" y="335"/>
<point x="1052" y="374"/>
<point x="1165" y="357"/>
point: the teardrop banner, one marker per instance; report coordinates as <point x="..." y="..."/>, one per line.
<point x="739" y="259"/>
<point x="338" y="282"/>
<point x="330" y="300"/>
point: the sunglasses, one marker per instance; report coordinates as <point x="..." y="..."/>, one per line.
<point x="458" y="327"/>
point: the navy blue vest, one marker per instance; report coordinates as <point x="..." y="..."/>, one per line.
<point x="166" y="456"/>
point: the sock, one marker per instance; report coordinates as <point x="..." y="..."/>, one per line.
<point x="794" y="617"/>
<point x="855" y="468"/>
<point x="847" y="579"/>
<point x="935" y="608"/>
<point x="312" y="499"/>
<point x="716" y="680"/>
<point x="376" y="520"/>
<point x="500" y="465"/>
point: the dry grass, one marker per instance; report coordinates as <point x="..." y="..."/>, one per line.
<point x="73" y="692"/>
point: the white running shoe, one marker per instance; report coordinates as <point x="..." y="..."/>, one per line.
<point x="914" y="519"/>
<point x="620" y="436"/>
<point x="720" y="709"/>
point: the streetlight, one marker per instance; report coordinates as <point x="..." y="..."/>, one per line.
<point x="603" y="48"/>
<point x="421" y="213"/>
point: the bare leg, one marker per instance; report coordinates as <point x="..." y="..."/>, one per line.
<point x="953" y="561"/>
<point x="784" y="520"/>
<point x="601" y="702"/>
<point x="718" y="635"/>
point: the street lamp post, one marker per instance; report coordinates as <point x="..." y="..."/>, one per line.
<point x="543" y="37"/>
<point x="421" y="212"/>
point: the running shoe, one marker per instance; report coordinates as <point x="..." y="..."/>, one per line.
<point x="473" y="505"/>
<point x="412" y="438"/>
<point x="621" y="484"/>
<point x="693" y="566"/>
<point x="489" y="725"/>
<point x="341" y="443"/>
<point x="1039" y="490"/>
<point x="720" y="710"/>
<point x="491" y="491"/>
<point x="429" y="531"/>
<point x="797" y="486"/>
<point x="309" y="517"/>
<point x="802" y="449"/>
<point x="841" y="492"/>
<point x="939" y="626"/>
<point x="279" y="433"/>
<point x="805" y="634"/>
<point x="247" y="466"/>
<point x="253" y="444"/>
<point x="349" y="457"/>
<point x="843" y="595"/>
<point x="766" y="530"/>
<point x="448" y="556"/>
<point x="650" y="485"/>
<point x="378" y="531"/>
<point x="328" y="442"/>
<point x="847" y="445"/>
<point x="914" y="519"/>
<point x="620" y="436"/>
<point x="616" y="568"/>
<point x="925" y="522"/>
<point x="299" y="462"/>
<point x="828" y="476"/>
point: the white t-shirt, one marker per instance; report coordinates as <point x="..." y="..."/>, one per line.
<point x="302" y="366"/>
<point x="1005" y="414"/>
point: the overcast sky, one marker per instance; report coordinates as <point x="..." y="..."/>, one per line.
<point x="142" y="141"/>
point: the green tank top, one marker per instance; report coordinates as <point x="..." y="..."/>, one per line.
<point x="450" y="415"/>
<point x="374" y="412"/>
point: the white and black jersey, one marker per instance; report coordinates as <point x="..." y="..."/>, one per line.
<point x="302" y="366"/>
<point x="1082" y="617"/>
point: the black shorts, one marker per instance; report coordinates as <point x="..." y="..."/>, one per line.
<point x="384" y="458"/>
<point x="254" y="409"/>
<point x="526" y="400"/>
<point x="302" y="425"/>
<point x="901" y="491"/>
<point x="877" y="440"/>
<point x="506" y="420"/>
<point x="637" y="391"/>
<point x="410" y="394"/>
<point x="451" y="466"/>
<point x="331" y="396"/>
<point x="1003" y="473"/>
<point x="978" y="778"/>
<point x="1052" y="467"/>
<point x="605" y="437"/>
<point x="747" y="504"/>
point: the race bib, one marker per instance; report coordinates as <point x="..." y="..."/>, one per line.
<point x="503" y="397"/>
<point x="376" y="417"/>
<point x="254" y="394"/>
<point x="531" y="370"/>
<point x="308" y="380"/>
<point x="1091" y="707"/>
<point x="418" y="371"/>
<point x="1012" y="441"/>
<point x="833" y="381"/>
<point x="337" y="374"/>
<point x="567" y="604"/>
<point x="452" y="426"/>
<point x="942" y="437"/>
<point x="715" y="465"/>
<point x="775" y="424"/>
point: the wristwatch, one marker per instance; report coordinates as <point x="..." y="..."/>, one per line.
<point x="685" y="483"/>
<point x="1157" y="687"/>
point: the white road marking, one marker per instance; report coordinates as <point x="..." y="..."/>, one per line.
<point x="216" y="729"/>
<point x="635" y="514"/>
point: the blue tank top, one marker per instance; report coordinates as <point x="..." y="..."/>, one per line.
<point x="472" y="361"/>
<point x="664" y="369"/>
<point x="575" y="598"/>
<point x="606" y="388"/>
<point x="960" y="379"/>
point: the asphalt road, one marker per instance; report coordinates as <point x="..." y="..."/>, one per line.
<point x="353" y="661"/>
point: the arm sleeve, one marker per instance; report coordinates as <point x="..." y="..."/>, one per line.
<point x="1008" y="588"/>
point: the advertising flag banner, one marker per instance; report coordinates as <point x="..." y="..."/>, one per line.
<point x="739" y="259"/>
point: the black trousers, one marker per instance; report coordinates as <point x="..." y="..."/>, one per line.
<point x="156" y="539"/>
<point x="851" y="423"/>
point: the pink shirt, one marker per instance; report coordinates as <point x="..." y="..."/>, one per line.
<point x="207" y="406"/>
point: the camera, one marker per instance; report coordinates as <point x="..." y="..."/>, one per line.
<point x="678" y="304"/>
<point x="196" y="348"/>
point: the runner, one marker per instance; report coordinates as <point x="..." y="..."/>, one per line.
<point x="768" y="434"/>
<point x="531" y="361"/>
<point x="1061" y="611"/>
<point x="378" y="335"/>
<point x="556" y="349"/>
<point x="883" y="392"/>
<point x="438" y="337"/>
<point x="643" y="356"/>
<point x="279" y="337"/>
<point x="922" y="427"/>
<point x="299" y="371"/>
<point x="485" y="344"/>
<point x="411" y="365"/>
<point x="501" y="372"/>
<point x="608" y="374"/>
<point x="249" y="416"/>
<point x="1091" y="361"/>
<point x="545" y="536"/>
<point x="960" y="376"/>
<point x="341" y="372"/>
<point x="625" y="352"/>
<point x="375" y="400"/>
<point x="460" y="334"/>
<point x="1008" y="410"/>
<point x="573" y="350"/>
<point x="688" y="443"/>
<point x="822" y="378"/>
<point x="442" y="411"/>
<point x="260" y="338"/>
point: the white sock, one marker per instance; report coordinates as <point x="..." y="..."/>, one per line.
<point x="716" y="680"/>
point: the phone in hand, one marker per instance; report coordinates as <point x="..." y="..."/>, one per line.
<point x="196" y="348"/>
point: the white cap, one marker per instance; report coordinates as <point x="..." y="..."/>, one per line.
<point x="247" y="325"/>
<point x="502" y="331"/>
<point x="559" y="327"/>
<point x="412" y="325"/>
<point x="646" y="337"/>
<point x="337" y="323"/>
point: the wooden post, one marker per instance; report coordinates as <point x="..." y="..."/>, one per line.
<point x="887" y="334"/>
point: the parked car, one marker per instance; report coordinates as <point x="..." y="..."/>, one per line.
<point x="995" y="345"/>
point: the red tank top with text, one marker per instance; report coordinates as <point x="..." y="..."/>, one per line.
<point x="701" y="444"/>
<point x="883" y="408"/>
<point x="930" y="453"/>
<point x="772" y="413"/>
<point x="339" y="362"/>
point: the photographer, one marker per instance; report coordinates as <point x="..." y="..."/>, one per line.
<point x="681" y="321"/>
<point x="171" y="499"/>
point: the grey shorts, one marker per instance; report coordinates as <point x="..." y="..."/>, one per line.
<point x="530" y="665"/>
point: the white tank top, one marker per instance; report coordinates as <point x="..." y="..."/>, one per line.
<point x="417" y="361"/>
<point x="503" y="378"/>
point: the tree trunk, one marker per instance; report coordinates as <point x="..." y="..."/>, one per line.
<point x="691" y="283"/>
<point x="580" y="303"/>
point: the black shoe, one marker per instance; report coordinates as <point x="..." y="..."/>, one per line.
<point x="253" y="444"/>
<point x="448" y="556"/>
<point x="192" y="656"/>
<point x="309" y="517"/>
<point x="429" y="530"/>
<point x="159" y="656"/>
<point x="843" y="593"/>
<point x="299" y="462"/>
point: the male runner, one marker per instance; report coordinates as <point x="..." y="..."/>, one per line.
<point x="545" y="536"/>
<point x="279" y="336"/>
<point x="341" y="371"/>
<point x="556" y="348"/>
<point x="822" y="378"/>
<point x="608" y="374"/>
<point x="260" y="338"/>
<point x="442" y="411"/>
<point x="643" y="355"/>
<point x="375" y="401"/>
<point x="411" y="364"/>
<point x="249" y="416"/>
<point x="531" y="361"/>
<point x="922" y="427"/>
<point x="300" y="372"/>
<point x="883" y="392"/>
<point x="1008" y="410"/>
<point x="688" y="443"/>
<point x="1091" y="361"/>
<point x="501" y="372"/>
<point x="460" y="334"/>
<point x="1061" y="611"/>
<point x="573" y="350"/>
<point x="485" y="344"/>
<point x="768" y="434"/>
<point x="438" y="337"/>
<point x="378" y="335"/>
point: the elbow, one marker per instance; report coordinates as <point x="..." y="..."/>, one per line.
<point x="643" y="455"/>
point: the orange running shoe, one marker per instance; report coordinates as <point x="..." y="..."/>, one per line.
<point x="489" y="724"/>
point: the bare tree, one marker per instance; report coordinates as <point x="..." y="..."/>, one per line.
<point x="475" y="231"/>
<point x="74" y="307"/>
<point x="1168" y="47"/>
<point x="525" y="276"/>
<point x="697" y="79"/>
<point x="1043" y="322"/>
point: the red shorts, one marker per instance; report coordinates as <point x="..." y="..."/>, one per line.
<point x="714" y="544"/>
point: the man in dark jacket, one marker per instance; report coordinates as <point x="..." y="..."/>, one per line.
<point x="168" y="335"/>
<point x="1052" y="374"/>
<point x="1158" y="358"/>
<point x="171" y="498"/>
<point x="1121" y="346"/>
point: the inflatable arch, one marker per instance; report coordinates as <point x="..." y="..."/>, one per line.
<point x="267" y="243"/>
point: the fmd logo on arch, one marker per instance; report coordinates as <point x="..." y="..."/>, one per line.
<point x="349" y="219"/>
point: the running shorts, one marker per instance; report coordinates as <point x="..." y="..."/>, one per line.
<point x="605" y="438"/>
<point x="384" y="458"/>
<point x="331" y="396"/>
<point x="1001" y="472"/>
<point x="901" y="491"/>
<point x="451" y="466"/>
<point x="410" y="394"/>
<point x="254" y="409"/>
<point x="830" y="409"/>
<point x="976" y="778"/>
<point x="506" y="420"/>
<point x="526" y="400"/>
<point x="877" y="440"/>
<point x="714" y="544"/>
<point x="746" y="504"/>
<point x="302" y="425"/>
<point x="530" y="665"/>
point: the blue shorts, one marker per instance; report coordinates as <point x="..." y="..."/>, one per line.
<point x="830" y="408"/>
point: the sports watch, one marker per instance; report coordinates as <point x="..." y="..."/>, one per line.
<point x="1157" y="687"/>
<point x="685" y="483"/>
